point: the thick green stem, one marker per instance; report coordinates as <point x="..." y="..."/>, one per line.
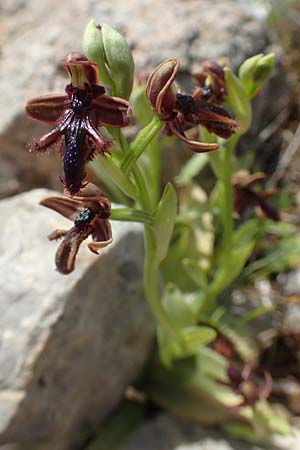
<point x="143" y="139"/>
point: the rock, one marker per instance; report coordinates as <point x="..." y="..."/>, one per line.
<point x="290" y="282"/>
<point x="166" y="433"/>
<point x="35" y="36"/>
<point x="69" y="345"/>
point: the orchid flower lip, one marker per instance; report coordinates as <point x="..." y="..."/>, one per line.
<point x="89" y="211"/>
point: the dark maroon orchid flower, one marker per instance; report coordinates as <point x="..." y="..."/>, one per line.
<point x="77" y="116"/>
<point x="245" y="195"/>
<point x="89" y="211"/>
<point x="211" y="81"/>
<point x="251" y="383"/>
<point x="182" y="112"/>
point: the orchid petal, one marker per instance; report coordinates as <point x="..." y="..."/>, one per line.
<point x="112" y="111"/>
<point x="195" y="146"/>
<point x="68" y="249"/>
<point x="214" y="118"/>
<point x="159" y="88"/>
<point x="102" y="235"/>
<point x="67" y="207"/>
<point x="47" y="108"/>
<point x="46" y="142"/>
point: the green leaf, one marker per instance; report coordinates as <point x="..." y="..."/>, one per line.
<point x="196" y="272"/>
<point x="283" y="254"/>
<point x="213" y="364"/>
<point x="197" y="336"/>
<point x="246" y="232"/>
<point x="192" y="167"/>
<point x="237" y="100"/>
<point x="116" y="174"/>
<point x="180" y="310"/>
<point x="230" y="270"/>
<point x="141" y="106"/>
<point x="164" y="220"/>
<point x="266" y="418"/>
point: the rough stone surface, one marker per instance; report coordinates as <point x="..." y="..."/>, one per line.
<point x="166" y="433"/>
<point x="35" y="36"/>
<point x="69" y="345"/>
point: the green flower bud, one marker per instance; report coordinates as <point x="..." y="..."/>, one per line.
<point x="255" y="71"/>
<point x="110" y="51"/>
<point x="92" y="46"/>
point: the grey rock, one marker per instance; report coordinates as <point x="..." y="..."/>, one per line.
<point x="290" y="282"/>
<point x="35" y="36"/>
<point x="167" y="433"/>
<point x="69" y="345"/>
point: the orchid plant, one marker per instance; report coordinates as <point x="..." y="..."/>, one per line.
<point x="207" y="368"/>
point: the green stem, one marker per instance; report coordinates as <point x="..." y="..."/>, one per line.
<point x="151" y="284"/>
<point x="151" y="269"/>
<point x="228" y="192"/>
<point x="154" y="154"/>
<point x="144" y="194"/>
<point x="143" y="139"/>
<point x="131" y="215"/>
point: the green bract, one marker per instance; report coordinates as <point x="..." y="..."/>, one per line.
<point x="237" y="100"/>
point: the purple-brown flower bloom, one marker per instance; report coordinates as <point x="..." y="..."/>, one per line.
<point x="182" y="112"/>
<point x="245" y="194"/>
<point x="211" y="81"/>
<point x="77" y="116"/>
<point x="89" y="211"/>
<point x="253" y="384"/>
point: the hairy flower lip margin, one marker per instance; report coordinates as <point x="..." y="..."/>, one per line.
<point x="89" y="211"/>
<point x="181" y="111"/>
<point x="77" y="115"/>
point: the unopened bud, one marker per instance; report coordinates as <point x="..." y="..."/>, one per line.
<point x="255" y="71"/>
<point x="110" y="51"/>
